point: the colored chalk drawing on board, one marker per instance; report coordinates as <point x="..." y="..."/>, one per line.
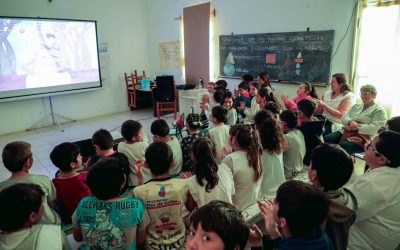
<point x="169" y="54"/>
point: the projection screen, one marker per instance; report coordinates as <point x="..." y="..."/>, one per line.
<point x="43" y="57"/>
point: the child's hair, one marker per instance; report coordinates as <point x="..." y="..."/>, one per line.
<point x="273" y="107"/>
<point x="15" y="155"/>
<point x="393" y="124"/>
<point x="307" y="107"/>
<point x="17" y="203"/>
<point x="311" y="89"/>
<point x="290" y="118"/>
<point x="193" y="121"/>
<point x="105" y="178"/>
<point x="64" y="154"/>
<point x="244" y="85"/>
<point x="220" y="113"/>
<point x="388" y="146"/>
<point x="158" y="157"/>
<point x="160" y="127"/>
<point x="218" y="95"/>
<point x="272" y="136"/>
<point x="206" y="166"/>
<point x="103" y="139"/>
<point x="227" y="94"/>
<point x="268" y="96"/>
<point x="130" y="128"/>
<point x="222" y="83"/>
<point x="223" y="219"/>
<point x="256" y="85"/>
<point x="261" y="116"/>
<point x="325" y="159"/>
<point x="303" y="206"/>
<point x="247" y="78"/>
<point x="264" y="76"/>
<point x="247" y="137"/>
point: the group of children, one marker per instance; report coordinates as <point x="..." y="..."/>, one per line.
<point x="172" y="194"/>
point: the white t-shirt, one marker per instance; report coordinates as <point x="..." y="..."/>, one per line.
<point x="247" y="190"/>
<point x="294" y="154"/>
<point x="232" y="117"/>
<point x="273" y="174"/>
<point x="177" y="153"/>
<point x="377" y="224"/>
<point x="219" y="135"/>
<point x="134" y="152"/>
<point x="49" y="216"/>
<point x="335" y="103"/>
<point x="224" y="190"/>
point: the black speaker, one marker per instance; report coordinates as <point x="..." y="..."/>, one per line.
<point x="165" y="89"/>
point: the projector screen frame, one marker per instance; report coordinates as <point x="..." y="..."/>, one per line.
<point x="55" y="90"/>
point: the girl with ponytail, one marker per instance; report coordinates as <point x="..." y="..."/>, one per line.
<point x="305" y="91"/>
<point x="211" y="181"/>
<point x="245" y="164"/>
<point x="264" y="96"/>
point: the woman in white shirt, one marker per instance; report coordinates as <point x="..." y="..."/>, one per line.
<point x="211" y="181"/>
<point x="335" y="103"/>
<point x="364" y="119"/>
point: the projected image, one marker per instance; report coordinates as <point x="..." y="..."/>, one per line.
<point x="46" y="53"/>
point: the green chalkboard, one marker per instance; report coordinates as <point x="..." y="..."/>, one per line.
<point x="288" y="56"/>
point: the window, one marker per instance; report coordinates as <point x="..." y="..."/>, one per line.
<point x="378" y="54"/>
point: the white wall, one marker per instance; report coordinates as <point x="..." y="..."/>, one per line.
<point x="256" y="16"/>
<point x="122" y="24"/>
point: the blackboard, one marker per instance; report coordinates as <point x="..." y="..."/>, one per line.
<point x="288" y="56"/>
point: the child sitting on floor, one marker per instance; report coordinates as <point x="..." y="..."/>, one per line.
<point x="220" y="133"/>
<point x="133" y="147"/>
<point x="18" y="159"/>
<point x="21" y="211"/>
<point x="70" y="185"/>
<point x="106" y="220"/>
<point x="160" y="130"/>
<point x="164" y="198"/>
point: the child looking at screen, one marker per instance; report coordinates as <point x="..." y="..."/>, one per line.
<point x="133" y="147"/>
<point x="106" y="220"/>
<point x="160" y="130"/>
<point x="70" y="185"/>
<point x="164" y="198"/>
<point x="210" y="181"/>
<point x="20" y="213"/>
<point x="18" y="159"/>
<point x="245" y="164"/>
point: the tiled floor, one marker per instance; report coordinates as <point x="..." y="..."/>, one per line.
<point x="43" y="140"/>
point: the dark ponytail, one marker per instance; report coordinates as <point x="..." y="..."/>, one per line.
<point x="311" y="89"/>
<point x="272" y="136"/>
<point x="248" y="138"/>
<point x="205" y="165"/>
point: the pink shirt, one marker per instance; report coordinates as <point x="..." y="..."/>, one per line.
<point x="292" y="105"/>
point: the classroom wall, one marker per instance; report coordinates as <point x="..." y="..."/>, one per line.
<point x="121" y="24"/>
<point x="255" y="16"/>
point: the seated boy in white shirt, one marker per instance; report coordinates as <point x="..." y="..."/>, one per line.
<point x="20" y="213"/>
<point x="160" y="130"/>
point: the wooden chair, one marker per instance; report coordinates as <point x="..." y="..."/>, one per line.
<point x="165" y="96"/>
<point x="132" y="82"/>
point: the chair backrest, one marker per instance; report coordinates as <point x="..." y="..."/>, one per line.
<point x="165" y="89"/>
<point x="129" y="80"/>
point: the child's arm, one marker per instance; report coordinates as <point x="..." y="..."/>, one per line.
<point x="139" y="164"/>
<point x="77" y="233"/>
